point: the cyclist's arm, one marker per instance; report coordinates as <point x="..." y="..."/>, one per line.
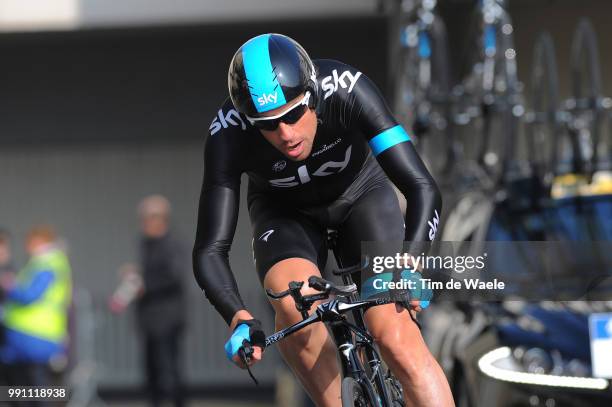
<point x="217" y="218"/>
<point x="406" y="170"/>
<point x="397" y="156"/>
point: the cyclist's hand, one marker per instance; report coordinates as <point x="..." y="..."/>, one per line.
<point x="248" y="335"/>
<point x="420" y="297"/>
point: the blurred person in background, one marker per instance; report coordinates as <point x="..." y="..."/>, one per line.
<point x="156" y="287"/>
<point x="7" y="270"/>
<point x="36" y="312"/>
<point x="6" y="259"/>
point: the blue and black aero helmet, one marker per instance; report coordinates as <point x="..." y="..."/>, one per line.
<point x="267" y="72"/>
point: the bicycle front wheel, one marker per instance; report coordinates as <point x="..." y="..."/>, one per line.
<point x="353" y="394"/>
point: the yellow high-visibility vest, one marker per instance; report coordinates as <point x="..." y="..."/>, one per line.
<point x="46" y="317"/>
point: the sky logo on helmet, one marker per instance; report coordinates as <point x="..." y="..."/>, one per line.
<point x="330" y="84"/>
<point x="224" y="120"/>
<point x="264" y="85"/>
<point x="269" y="98"/>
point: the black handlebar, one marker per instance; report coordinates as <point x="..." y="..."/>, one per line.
<point x="323" y="285"/>
<point x="303" y="303"/>
<point x="294" y="289"/>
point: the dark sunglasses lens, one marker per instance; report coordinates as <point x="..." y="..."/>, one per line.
<point x="294" y="115"/>
<point x="267" y="124"/>
<point x="291" y="117"/>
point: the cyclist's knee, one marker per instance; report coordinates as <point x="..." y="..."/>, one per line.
<point x="406" y="364"/>
<point x="278" y="277"/>
<point x="402" y="346"/>
<point x="292" y="269"/>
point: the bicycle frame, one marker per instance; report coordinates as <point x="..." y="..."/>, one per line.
<point x="332" y="314"/>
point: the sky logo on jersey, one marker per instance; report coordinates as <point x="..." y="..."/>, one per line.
<point x="433" y="225"/>
<point x="260" y="75"/>
<point x="265" y="99"/>
<point x="224" y="120"/>
<point x="330" y="84"/>
<point x="303" y="177"/>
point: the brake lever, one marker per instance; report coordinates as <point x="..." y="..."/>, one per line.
<point x="245" y="353"/>
<point x="327" y="287"/>
<point x="294" y="287"/>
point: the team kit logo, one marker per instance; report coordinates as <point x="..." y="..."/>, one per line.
<point x="267" y="98"/>
<point x="224" y="120"/>
<point x="346" y="79"/>
<point x="304" y="175"/>
<point x="266" y="235"/>
<point x="433" y="225"/>
<point x="326" y="147"/>
<point x="279" y="166"/>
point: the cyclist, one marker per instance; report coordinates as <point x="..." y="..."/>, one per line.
<point x="300" y="129"/>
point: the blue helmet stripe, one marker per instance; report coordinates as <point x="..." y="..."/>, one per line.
<point x="388" y="139"/>
<point x="266" y="92"/>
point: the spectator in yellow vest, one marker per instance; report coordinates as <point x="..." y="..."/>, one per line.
<point x="36" y="310"/>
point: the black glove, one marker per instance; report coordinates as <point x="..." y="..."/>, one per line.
<point x="249" y="331"/>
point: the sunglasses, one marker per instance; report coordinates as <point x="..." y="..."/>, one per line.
<point x="289" y="116"/>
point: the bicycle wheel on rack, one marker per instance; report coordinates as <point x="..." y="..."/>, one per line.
<point x="544" y="144"/>
<point x="408" y="81"/>
<point x="422" y="91"/>
<point x="437" y="144"/>
<point x="353" y="394"/>
<point x="501" y="103"/>
<point x="586" y="103"/>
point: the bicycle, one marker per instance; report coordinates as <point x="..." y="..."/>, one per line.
<point x="587" y="107"/>
<point x="545" y="121"/>
<point x="366" y="382"/>
<point x="422" y="78"/>
<point x="564" y="145"/>
<point x="379" y="388"/>
<point x="495" y="85"/>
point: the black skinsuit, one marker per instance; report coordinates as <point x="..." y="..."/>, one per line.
<point x="343" y="184"/>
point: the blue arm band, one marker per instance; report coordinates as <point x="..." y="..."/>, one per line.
<point x="388" y="139"/>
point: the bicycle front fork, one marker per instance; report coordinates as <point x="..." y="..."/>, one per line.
<point x="352" y="366"/>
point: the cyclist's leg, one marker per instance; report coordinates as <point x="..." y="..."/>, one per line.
<point x="287" y="248"/>
<point x="376" y="217"/>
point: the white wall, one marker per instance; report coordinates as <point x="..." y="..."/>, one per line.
<point x="37" y="15"/>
